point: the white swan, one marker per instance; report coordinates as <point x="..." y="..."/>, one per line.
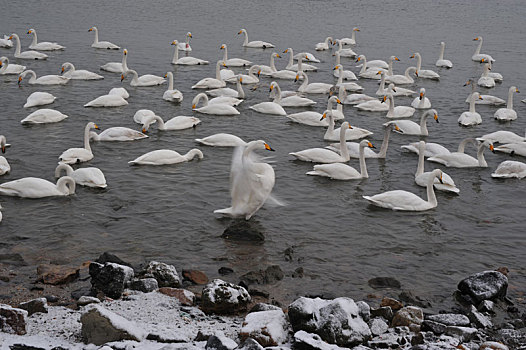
<point x="312" y="118"/>
<point x="117" y="67"/>
<point x="290" y="101"/>
<point x="421" y="102"/>
<point x="337" y="113"/>
<point x="431" y="149"/>
<point x="391" y="89"/>
<point x="7" y="68"/>
<point x="239" y="93"/>
<point x="441" y="62"/>
<point x="352" y="39"/>
<point x="471" y="117"/>
<point x="398" y="111"/>
<point x="109" y="100"/>
<point x="503" y="136"/>
<point x="485" y="80"/>
<point x="356" y="99"/>
<point x="4" y="165"/>
<point x="26" y="55"/>
<point x="120" y="91"/>
<point x="340" y="171"/>
<point x="233" y="62"/>
<point x="424" y="73"/>
<point x="176" y="123"/>
<point x="166" y="157"/>
<point x="271" y="68"/>
<point x="42" y="46"/>
<point x="172" y="95"/>
<point x="351" y="134"/>
<point x="390" y="65"/>
<point x="39" y="99"/>
<point x="508" y="113"/>
<point x="323" y="155"/>
<point x="510" y="169"/>
<point x="374" y="105"/>
<point x="43" y="116"/>
<point x="486" y="99"/>
<point x="5" y="42"/>
<point x="496" y="76"/>
<point x="402" y="79"/>
<point x="477" y="56"/>
<point x="300" y="66"/>
<point x="347" y="74"/>
<point x="422" y="178"/>
<point x="102" y="44"/>
<point x="461" y="160"/>
<point x="221" y="140"/>
<point x="142" y="115"/>
<point x="187" y="60"/>
<point x="257" y="44"/>
<point x="373" y="64"/>
<point x="306" y="56"/>
<point x="344" y="52"/>
<point x="407" y="201"/>
<point x="314" y="88"/>
<point x="79" y="155"/>
<point x="143" y="80"/>
<point x="43" y="80"/>
<point x="185" y="46"/>
<point x="409" y="127"/>
<point x="117" y="134"/>
<point x="324" y="45"/>
<point x="68" y="70"/>
<point x="212" y="108"/>
<point x="518" y="148"/>
<point x="251" y="78"/>
<point x="212" y="83"/>
<point x="273" y="107"/>
<point x="32" y="187"/>
<point x="352" y="87"/>
<point x="91" y="177"/>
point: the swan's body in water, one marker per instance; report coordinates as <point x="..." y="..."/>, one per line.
<point x="503" y="136"/>
<point x="518" y="148"/>
<point x="101" y="44"/>
<point x="340" y="171"/>
<point x="398" y="111"/>
<point x="508" y="113"/>
<point x="471" y="117"/>
<point x="69" y="71"/>
<point x="350" y="133"/>
<point x="222" y="140"/>
<point x="143" y="80"/>
<point x="251" y="181"/>
<point x="33" y="187"/>
<point x="431" y="149"/>
<point x="233" y="62"/>
<point x="323" y="155"/>
<point x="187" y="60"/>
<point x="176" y="123"/>
<point x="79" y="155"/>
<point x="422" y="178"/>
<point x="313" y="88"/>
<point x="42" y="46"/>
<point x="441" y="62"/>
<point x="409" y="127"/>
<point x="26" y="55"/>
<point x="354" y="147"/>
<point x="212" y="83"/>
<point x="43" y="116"/>
<point x="421" y="102"/>
<point x="39" y="98"/>
<point x="7" y="68"/>
<point x="117" y="67"/>
<point x="324" y="45"/>
<point x="216" y="108"/>
<point x="461" y="160"/>
<point x="5" y="42"/>
<point x="510" y="169"/>
<point x="185" y="46"/>
<point x="117" y="133"/>
<point x="166" y="157"/>
<point x="4" y="165"/>
<point x="407" y="201"/>
<point x="290" y="101"/>
<point x="477" y="56"/>
<point x="485" y="79"/>
<point x="172" y="95"/>
<point x="91" y="177"/>
<point x="486" y="99"/>
<point x="258" y="44"/>
<point x="43" y="80"/>
<point x="424" y="73"/>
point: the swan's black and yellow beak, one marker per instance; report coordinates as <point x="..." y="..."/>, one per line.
<point x="222" y="47"/>
<point x="398" y="129"/>
<point x="476" y="39"/>
<point x="492" y="149"/>
<point x="3" y="148"/>
<point x="440" y="179"/>
<point x="10" y="37"/>
<point x="396" y="59"/>
<point x="287" y="50"/>
<point x="271" y="87"/>
<point x="240" y="79"/>
<point x="240" y="32"/>
<point x="193" y="106"/>
<point x="96" y="127"/>
<point x="144" y="130"/>
<point x="338" y="101"/>
<point x="467" y="83"/>
<point x="412" y="56"/>
<point x="338" y="66"/>
<point x="350" y="127"/>
<point x="29" y="32"/>
<point x="259" y="72"/>
<point x="174" y="42"/>
<point x="516" y="90"/>
<point x="416" y="73"/>
<point x="268" y="148"/>
<point x="358" y="59"/>
<point x="278" y="56"/>
<point x="62" y="70"/>
<point x="370" y="145"/>
<point x="394" y="89"/>
<point x="384" y="99"/>
<point x="435" y="116"/>
<point x="125" y="52"/>
<point x="324" y="115"/>
<point x="122" y="77"/>
<point x="297" y="78"/>
<point x="1" y="64"/>
<point x="480" y="97"/>
<point x="421" y="95"/>
<point x="91" y="29"/>
<point x="190" y="35"/>
<point x="19" y="80"/>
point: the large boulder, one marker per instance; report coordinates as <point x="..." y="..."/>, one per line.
<point x="450" y="319"/>
<point x="484" y="285"/>
<point x="268" y="328"/>
<point x="220" y="342"/>
<point x="100" y="326"/>
<point x="408" y="315"/>
<point x="336" y="321"/>
<point x="166" y="275"/>
<point x="224" y="298"/>
<point x="310" y="341"/>
<point x="110" y="278"/>
<point x="12" y="320"/>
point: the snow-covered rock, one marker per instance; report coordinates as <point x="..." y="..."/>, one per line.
<point x="464" y="334"/>
<point x="378" y="326"/>
<point x="34" y="306"/>
<point x="303" y="339"/>
<point x="484" y="285"/>
<point x="145" y="285"/>
<point x="220" y="342"/>
<point x="166" y="275"/>
<point x="408" y="315"/>
<point x="450" y="319"/>
<point x="250" y="344"/>
<point x="222" y="297"/>
<point x="110" y="278"/>
<point x="268" y="328"/>
<point x="478" y="319"/>
<point x="12" y="320"/>
<point x="86" y="300"/>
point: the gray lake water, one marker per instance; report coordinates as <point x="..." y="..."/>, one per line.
<point x="166" y="213"/>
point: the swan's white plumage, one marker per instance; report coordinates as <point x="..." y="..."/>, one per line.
<point x="166" y="157"/>
<point x="91" y="177"/>
<point x="117" y="133"/>
<point x="32" y="187"/>
<point x="39" y="98"/>
<point x="510" y="169"/>
<point x="43" y="116"/>
<point x="222" y="140"/>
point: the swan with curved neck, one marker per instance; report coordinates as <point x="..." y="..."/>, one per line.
<point x="350" y="133"/>
<point x="421" y="102"/>
<point x="78" y="155"/>
<point x="461" y="160"/>
<point x="471" y="117"/>
<point x="212" y="108"/>
<point x="424" y="73"/>
<point x="26" y="55"/>
<point x="172" y="95"/>
<point x="352" y="39"/>
<point x="187" y="60"/>
<point x="347" y="74"/>
<point x="251" y="78"/>
<point x="143" y="80"/>
<point x="101" y="44"/>
<point x="409" y="127"/>
<point x="212" y="83"/>
<point x="354" y="147"/>
<point x="228" y="92"/>
<point x="257" y="44"/>
<point x="323" y="155"/>
<point x="68" y="70"/>
<point x="477" y="56"/>
<point x="117" y="67"/>
<point x="314" y="88"/>
<point x="403" y="79"/>
<point x="390" y="68"/>
<point x="300" y="66"/>
<point x="233" y="62"/>
<point x="441" y="62"/>
<point x="398" y="111"/>
<point x="117" y="134"/>
<point x="166" y="157"/>
<point x="486" y="99"/>
<point x="91" y="177"/>
<point x="324" y="45"/>
<point x="42" y="46"/>
<point x="176" y="123"/>
<point x="421" y="178"/>
<point x="271" y="68"/>
<point x="43" y="80"/>
<point x="7" y="68"/>
<point x="485" y="80"/>
<point x="350" y="86"/>
<point x="345" y="52"/>
<point x="185" y="46"/>
<point x="506" y="114"/>
<point x="33" y="187"/>
<point x="290" y="101"/>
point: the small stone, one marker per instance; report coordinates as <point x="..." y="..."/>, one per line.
<point x="225" y="271"/>
<point x="393" y="303"/>
<point x="435" y="327"/>
<point x="24" y="347"/>
<point x="249" y="344"/>
<point x="77" y="293"/>
<point x="504" y="270"/>
<point x="298" y="273"/>
<point x="224" y="298"/>
<point x="202" y="336"/>
<point x="465" y="334"/>
<point x="166" y="275"/>
<point x="450" y="319"/>
<point x="310" y="341"/>
<point x="264" y="307"/>
<point x="110" y="278"/>
<point x="486" y="306"/>
<point x="268" y="328"/>
<point x="364" y="310"/>
<point x="385" y="312"/>
<point x="12" y="320"/>
<point x="478" y="319"/>
<point x="51" y="298"/>
<point x="220" y="342"/>
<point x="108" y="257"/>
<point x="57" y="274"/>
<point x="195" y="276"/>
<point x="161" y="338"/>
<point x="12" y="259"/>
<point x="242" y="230"/>
<point x="86" y="300"/>
<point x="484" y="285"/>
<point x="384" y="282"/>
<point x="34" y="306"/>
<point x="407" y="315"/>
<point x="387" y="340"/>
<point x="184" y="296"/>
<point x="409" y="298"/>
<point x="378" y="326"/>
<point x="145" y="285"/>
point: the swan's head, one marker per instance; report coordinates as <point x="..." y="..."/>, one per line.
<point x="268" y="148"/>
<point x="271" y="87"/>
<point x="361" y="57"/>
<point x="92" y="29"/>
<point x="337" y="67"/>
<point x="287" y="50"/>
<point x="122" y="76"/>
<point x="125" y="52"/>
<point x="356" y="29"/>
<point x="366" y="143"/>
<point x="434" y="113"/>
<point x="412" y="56"/>
<point x="20" y="77"/>
<point x="275" y="54"/>
<point x="31" y="31"/>
<point x="346" y="125"/>
<point x="514" y="88"/>
<point x="416" y="72"/>
<point x="223" y="46"/>
<point x="175" y="42"/>
<point x="1" y="63"/>
<point x="422" y="93"/>
<point x="396" y="128"/>
<point x="327" y="113"/>
<point x="92" y="125"/>
<point x="477" y="38"/>
<point x="380" y="72"/>
<point x="438" y="174"/>
<point x="189" y="34"/>
<point x="241" y="31"/>
<point x="394" y="58"/>
<point x="391" y="86"/>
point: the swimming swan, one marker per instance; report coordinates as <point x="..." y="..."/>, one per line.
<point x="176" y="123"/>
<point x="4" y="165"/>
<point x="507" y="114"/>
<point x="352" y="39"/>
<point x="68" y="70"/>
<point x="79" y="155"/>
<point x="409" y="127"/>
<point x="187" y="60"/>
<point x="233" y="62"/>
<point x="290" y="101"/>
<point x="239" y="93"/>
<point x="212" y="83"/>
<point x="350" y="133"/>
<point x="143" y="80"/>
<point x="421" y="102"/>
<point x="314" y="88"/>
<point x="43" y="80"/>
<point x="300" y="66"/>
<point x="26" y="55"/>
<point x="221" y="140"/>
<point x="257" y="44"/>
<point x="485" y="80"/>
<point x="117" y="67"/>
<point x="461" y="160"/>
<point x="477" y="56"/>
<point x="471" y="117"/>
<point x="424" y="73"/>
<point x="486" y="99"/>
<point x="323" y="155"/>
<point x="39" y="99"/>
<point x="117" y="134"/>
<point x="32" y="187"/>
<point x="403" y="79"/>
<point x="42" y="46"/>
<point x="510" y="169"/>
<point x="7" y="68"/>
<point x="422" y="178"/>
<point x="102" y="44"/>
<point x="441" y="62"/>
<point x="91" y="177"/>
<point x="43" y="116"/>
<point x="324" y="45"/>
<point x="398" y="111"/>
<point x="212" y="108"/>
<point x="347" y="74"/>
<point x="166" y="157"/>
<point x="185" y="46"/>
<point x="172" y="95"/>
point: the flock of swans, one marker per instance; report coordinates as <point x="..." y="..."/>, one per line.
<point x="251" y="178"/>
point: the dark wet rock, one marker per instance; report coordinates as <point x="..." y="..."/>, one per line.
<point x="242" y="230"/>
<point x="202" y="336"/>
<point x="408" y="315"/>
<point x="268" y="328"/>
<point x="288" y="254"/>
<point x="57" y="274"/>
<point x="12" y="259"/>
<point x="298" y="273"/>
<point x="4" y="278"/>
<point x="77" y="293"/>
<point x="86" y="300"/>
<point x="479" y="320"/>
<point x="486" y="306"/>
<point x="378" y="326"/>
<point x="195" y="276"/>
<point x="110" y="278"/>
<point x="394" y="304"/>
<point x="309" y="341"/>
<point x="145" y="285"/>
<point x="387" y="340"/>
<point x="184" y="296"/>
<point x="513" y="338"/>
<point x="25" y="347"/>
<point x="270" y="275"/>
<point x="384" y="282"/>
<point x="385" y="312"/>
<point x="224" y="298"/>
<point x="464" y="334"/>
<point x="364" y="310"/>
<point x="164" y="339"/>
<point x="166" y="275"/>
<point x="12" y="320"/>
<point x="249" y="344"/>
<point x="256" y="291"/>
<point x="450" y="319"/>
<point x="108" y="257"/>
<point x="34" y="306"/>
<point x="435" y="327"/>
<point x="51" y="298"/>
<point x="220" y="342"/>
<point x="264" y="307"/>
<point x="463" y="299"/>
<point x="409" y="298"/>
<point x="484" y="285"/>
<point x="225" y="271"/>
<point x="100" y="326"/>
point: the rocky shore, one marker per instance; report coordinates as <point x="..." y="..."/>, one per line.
<point x="154" y="307"/>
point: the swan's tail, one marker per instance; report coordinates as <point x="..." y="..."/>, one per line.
<point x="447" y="188"/>
<point x="226" y="211"/>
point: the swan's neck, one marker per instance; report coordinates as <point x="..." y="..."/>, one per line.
<point x="418" y="62"/>
<point x="363" y="167"/>
<point x="277" y="94"/>
<point x="161" y="125"/>
<point x="390" y="69"/>
<point x="94" y="136"/>
<point x="70" y="68"/>
<point x="176" y="55"/>
<point x="63" y="167"/>
<point x="300" y="64"/>
<point x="385" y="142"/>
<point x="240" y="91"/>
<point x="305" y="81"/>
<point x="477" y="51"/>
<point x="463" y="143"/>
<point x="421" y="152"/>
<point x="33" y="77"/>
<point x="442" y="49"/>
<point x="409" y="69"/>
<point x="225" y="54"/>
<point x="364" y="65"/>
<point x="18" y="48"/>
<point x="344" y="151"/>
<point x="170" y="81"/>
<point x="340" y="46"/>
<point x="135" y="76"/>
<point x="218" y="71"/>
<point x="327" y="40"/>
<point x="86" y="138"/>
<point x="342" y="94"/>
<point x="340" y="75"/>
<point x="96" y="35"/>
<point x="339" y="108"/>
<point x="485" y="72"/>
<point x="423" y="125"/>
<point x="472" y="103"/>
<point x="246" y="37"/>
<point x="125" y="63"/>
<point x="431" y="197"/>
<point x="5" y="63"/>
<point x="201" y="96"/>
<point x="35" y="40"/>
<point x="192" y="153"/>
<point x="330" y="130"/>
<point x="381" y="88"/>
<point x="422" y="101"/>
<point x="66" y="185"/>
<point x="252" y="71"/>
<point x="272" y="64"/>
<point x="337" y="58"/>
<point x="510" y="98"/>
<point x="480" y="155"/>
<point x="187" y="40"/>
<point x="291" y="59"/>
<point x="353" y="36"/>
<point x="391" y="105"/>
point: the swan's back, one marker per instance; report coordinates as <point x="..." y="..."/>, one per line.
<point x="29" y="187"/>
<point x="159" y="157"/>
<point x="399" y="200"/>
